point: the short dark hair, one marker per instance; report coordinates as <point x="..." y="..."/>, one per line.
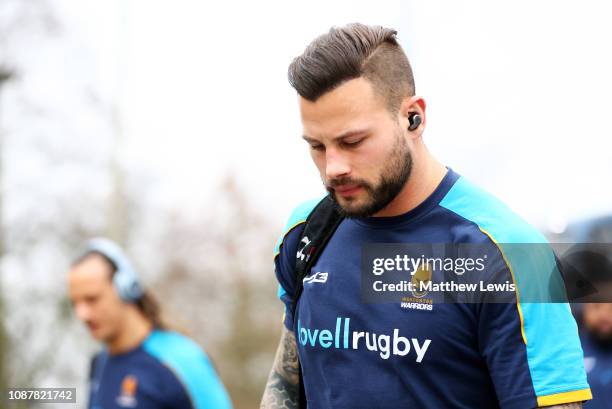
<point x="349" y="52"/>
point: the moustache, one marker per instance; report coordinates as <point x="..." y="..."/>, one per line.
<point x="346" y="181"/>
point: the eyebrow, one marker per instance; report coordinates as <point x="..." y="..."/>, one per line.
<point x="341" y="136"/>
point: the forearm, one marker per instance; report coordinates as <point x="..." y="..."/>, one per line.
<point x="282" y="389"/>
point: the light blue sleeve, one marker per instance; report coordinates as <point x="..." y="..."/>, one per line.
<point x="284" y="257"/>
<point x="191" y="366"/>
<point x="548" y="329"/>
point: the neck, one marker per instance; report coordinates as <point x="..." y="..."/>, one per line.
<point x="426" y="175"/>
<point x="134" y="330"/>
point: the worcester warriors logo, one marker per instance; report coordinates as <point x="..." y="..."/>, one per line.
<point x="127" y="399"/>
<point x="419" y="281"/>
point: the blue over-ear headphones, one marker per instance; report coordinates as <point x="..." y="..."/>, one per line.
<point x="125" y="280"/>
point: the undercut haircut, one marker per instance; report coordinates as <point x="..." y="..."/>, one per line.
<point x="349" y="52"/>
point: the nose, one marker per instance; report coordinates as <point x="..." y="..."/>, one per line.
<point x="82" y="311"/>
<point x="336" y="164"/>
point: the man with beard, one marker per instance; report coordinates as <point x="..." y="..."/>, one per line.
<point x="596" y="336"/>
<point x="364" y="125"/>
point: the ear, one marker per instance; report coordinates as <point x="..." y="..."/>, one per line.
<point x="408" y="106"/>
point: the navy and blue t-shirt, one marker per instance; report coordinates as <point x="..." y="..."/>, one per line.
<point x="511" y="355"/>
<point x="167" y="371"/>
<point x="598" y="364"/>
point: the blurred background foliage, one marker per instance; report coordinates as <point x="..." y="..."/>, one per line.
<point x="63" y="180"/>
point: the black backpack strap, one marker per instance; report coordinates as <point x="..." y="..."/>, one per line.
<point x="320" y="226"/>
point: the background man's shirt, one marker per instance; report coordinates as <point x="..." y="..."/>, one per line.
<point x="598" y="364"/>
<point x="385" y="355"/>
<point x="167" y="371"/>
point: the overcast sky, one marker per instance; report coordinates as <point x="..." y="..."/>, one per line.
<point x="518" y="93"/>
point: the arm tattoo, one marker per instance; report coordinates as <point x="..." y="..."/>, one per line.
<point x="573" y="405"/>
<point x="282" y="389"/>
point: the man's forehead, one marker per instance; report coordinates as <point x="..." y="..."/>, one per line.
<point x="352" y="96"/>
<point x="350" y="107"/>
<point x="92" y="268"/>
<point x="599" y="307"/>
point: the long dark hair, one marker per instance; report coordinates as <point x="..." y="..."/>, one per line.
<point x="150" y="307"/>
